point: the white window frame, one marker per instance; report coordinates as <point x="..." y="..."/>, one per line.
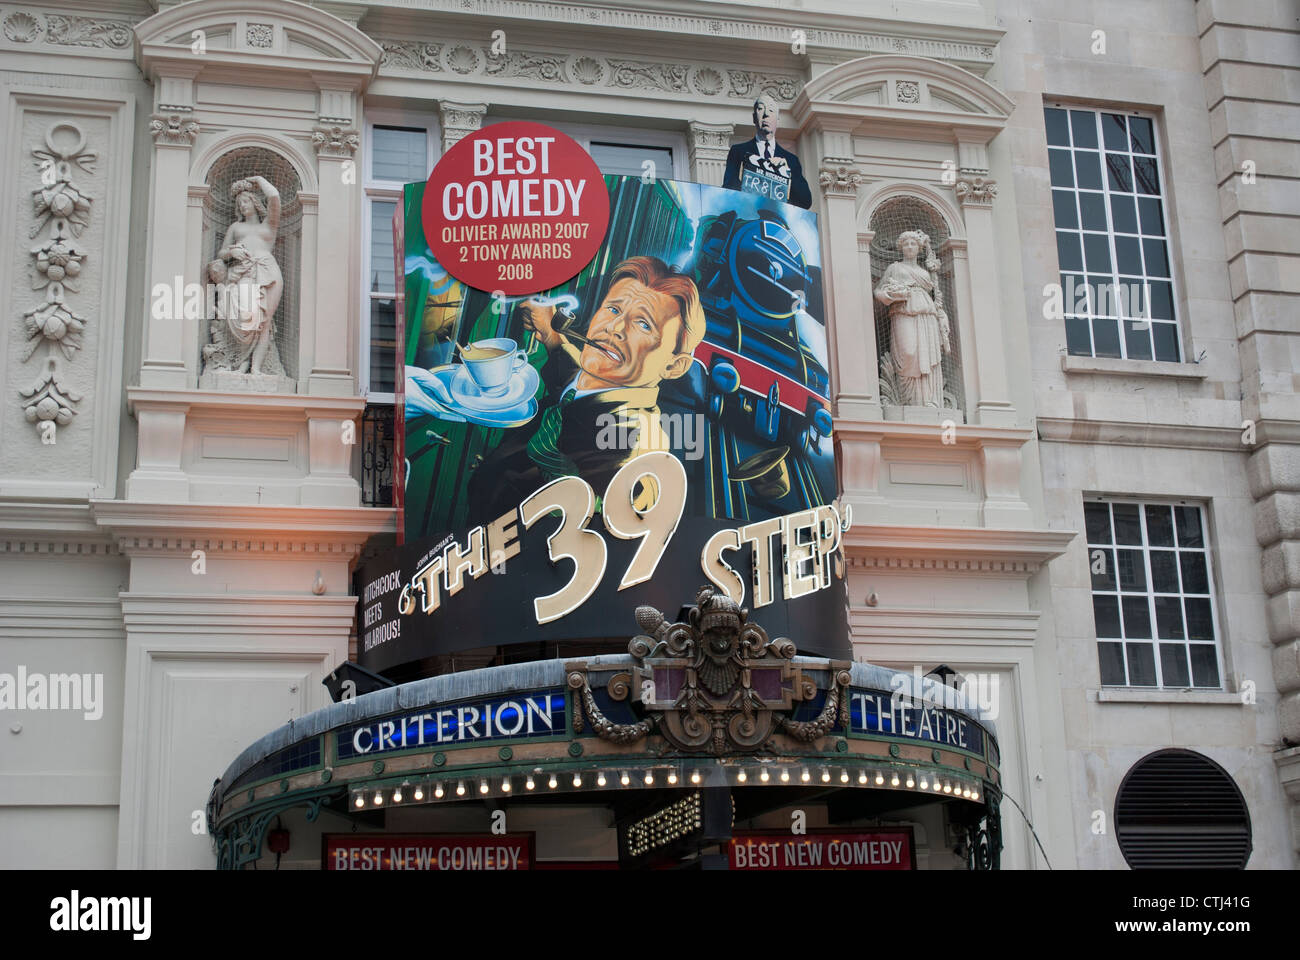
<point x="384" y="190"/>
<point x="585" y="133"/>
<point x="1150" y="593"/>
<point x="1175" y="290"/>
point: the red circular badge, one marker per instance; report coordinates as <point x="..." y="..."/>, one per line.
<point x="516" y="207"/>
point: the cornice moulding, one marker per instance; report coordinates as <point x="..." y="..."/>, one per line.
<point x="245" y="405"/>
<point x="930" y="433"/>
<point x="909" y="624"/>
<point x="261" y="527"/>
<point x="996" y="549"/>
<point x="1120" y="433"/>
<point x="51" y="529"/>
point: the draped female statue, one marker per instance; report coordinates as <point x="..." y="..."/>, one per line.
<point x="919" y="333"/>
<point x="249" y="283"/>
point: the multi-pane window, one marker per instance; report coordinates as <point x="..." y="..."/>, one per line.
<point x="1151" y="597"/>
<point x="398" y="155"/>
<point x="1111" y="239"/>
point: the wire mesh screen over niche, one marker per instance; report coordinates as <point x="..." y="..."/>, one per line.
<point x="915" y="311"/>
<point x="220" y="210"/>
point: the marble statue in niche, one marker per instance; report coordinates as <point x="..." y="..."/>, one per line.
<point x="919" y="329"/>
<point x="244" y="288"/>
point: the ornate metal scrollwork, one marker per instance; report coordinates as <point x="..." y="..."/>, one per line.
<point x="601" y="725"/>
<point x="711" y="683"/>
<point x="836" y="706"/>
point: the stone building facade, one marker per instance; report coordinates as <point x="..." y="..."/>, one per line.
<point x="1092" y="471"/>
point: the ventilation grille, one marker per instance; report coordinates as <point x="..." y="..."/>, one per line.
<point x="1178" y="809"/>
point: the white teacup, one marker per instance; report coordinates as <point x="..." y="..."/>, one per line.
<point x="491" y="363"/>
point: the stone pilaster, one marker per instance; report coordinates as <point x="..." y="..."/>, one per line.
<point x="851" y="320"/>
<point x="335" y="226"/>
<point x="174" y="132"/>
<point x="709" y="143"/>
<point x="976" y="193"/>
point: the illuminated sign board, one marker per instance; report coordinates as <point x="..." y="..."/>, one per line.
<point x="422" y="851"/>
<point x="539" y="714"/>
<point x="880" y="848"/>
<point x="650" y="419"/>
<point x="874" y="712"/>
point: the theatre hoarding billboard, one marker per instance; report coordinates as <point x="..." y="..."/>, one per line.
<point x="656" y="419"/>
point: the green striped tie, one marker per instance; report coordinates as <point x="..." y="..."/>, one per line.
<point x="541" y="446"/>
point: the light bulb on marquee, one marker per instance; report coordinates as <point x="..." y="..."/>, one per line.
<point x="505" y="784"/>
<point x="419" y="793"/>
<point x="893" y="781"/>
<point x="379" y="798"/>
<point x="844" y="776"/>
<point x="577" y="779"/>
<point x="695" y="776"/>
<point x="764" y="775"/>
<point x="740" y="777"/>
<point x="438" y="792"/>
<point x="553" y="783"/>
<point x="880" y="778"/>
<point x="805" y="776"/>
<point x="600" y="779"/>
<point x="529" y="784"/>
<point x="460" y="789"/>
<point x="625" y="779"/>
<point x="483" y="787"/>
<point x="910" y="782"/>
<point x="361" y="801"/>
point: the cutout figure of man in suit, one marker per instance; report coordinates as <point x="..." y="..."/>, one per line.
<point x="763" y="166"/>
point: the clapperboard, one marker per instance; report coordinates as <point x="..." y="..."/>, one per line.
<point x="765" y="184"/>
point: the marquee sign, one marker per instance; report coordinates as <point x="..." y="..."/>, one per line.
<point x="654" y="416"/>
<point x="422" y="851"/>
<point x="881" y="848"/>
<point x="539" y="714"/>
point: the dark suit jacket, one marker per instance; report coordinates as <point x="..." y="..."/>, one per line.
<point x="508" y="474"/>
<point x="738" y="157"/>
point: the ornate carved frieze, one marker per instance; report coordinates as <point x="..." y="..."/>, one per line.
<point x="977" y="191"/>
<point x="839" y="177"/>
<point x="908" y="91"/>
<point x="530" y="66"/>
<point x="588" y="70"/>
<point x="714" y="683"/>
<point x="411" y="55"/>
<point x="335" y="142"/>
<point x="88" y="31"/>
<point x="173" y="129"/>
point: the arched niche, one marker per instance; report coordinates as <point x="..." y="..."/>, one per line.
<point x="236" y="164"/>
<point x="889" y="219"/>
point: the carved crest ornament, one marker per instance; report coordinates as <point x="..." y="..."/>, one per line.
<point x="714" y="683"/>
